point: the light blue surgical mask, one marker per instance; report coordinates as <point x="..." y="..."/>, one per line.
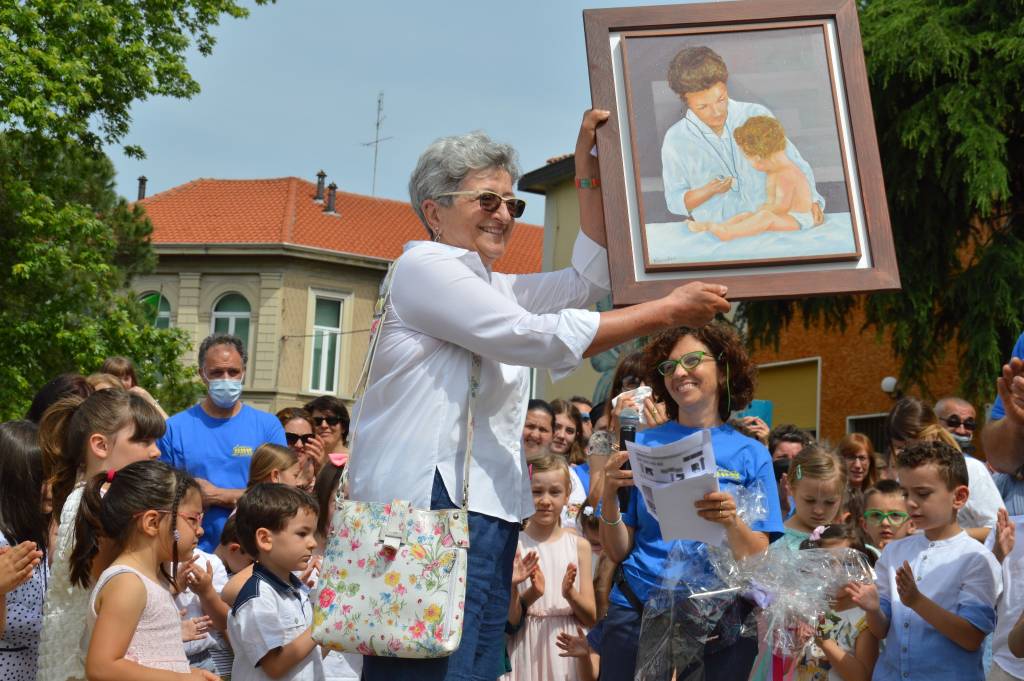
<point x="225" y="392"/>
<point x="962" y="440"/>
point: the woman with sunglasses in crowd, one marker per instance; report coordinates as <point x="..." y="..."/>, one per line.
<point x="448" y="311"/>
<point x="701" y="375"/>
<point x="331" y="421"/>
<point x="299" y="434"/>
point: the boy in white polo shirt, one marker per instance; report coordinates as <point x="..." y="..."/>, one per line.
<point x="270" y="624"/>
<point x="934" y="599"/>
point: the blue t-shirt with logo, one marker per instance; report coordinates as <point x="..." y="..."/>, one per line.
<point x="998" y="410"/>
<point x="740" y="460"/>
<point x="219" y="451"/>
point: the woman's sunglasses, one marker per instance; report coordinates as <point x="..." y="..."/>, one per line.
<point x="491" y="202"/>
<point x="689" y="361"/>
<point x="895" y="518"/>
<point x="954" y="422"/>
<point x="331" y="420"/>
<point x="292" y="438"/>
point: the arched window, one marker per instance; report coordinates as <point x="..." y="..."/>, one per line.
<point x="231" y="314"/>
<point x="158" y="310"/>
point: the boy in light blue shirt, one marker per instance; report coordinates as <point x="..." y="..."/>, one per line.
<point x="934" y="599"/>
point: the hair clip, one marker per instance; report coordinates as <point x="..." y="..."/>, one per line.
<point x="110" y="474"/>
<point x="818" y="531"/>
<point x="176" y="535"/>
<point x="799" y="472"/>
<point x="588" y="511"/>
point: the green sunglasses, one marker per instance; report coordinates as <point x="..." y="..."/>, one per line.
<point x="895" y="518"/>
<point x="689" y="361"/>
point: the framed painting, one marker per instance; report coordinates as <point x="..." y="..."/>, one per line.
<point x="740" y="150"/>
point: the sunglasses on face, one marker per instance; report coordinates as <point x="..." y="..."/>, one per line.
<point x="491" y="202"/>
<point x="689" y="361"/>
<point x="292" y="438"/>
<point x="895" y="518"/>
<point x="954" y="422"/>
<point x="331" y="420"/>
<point x="584" y="417"/>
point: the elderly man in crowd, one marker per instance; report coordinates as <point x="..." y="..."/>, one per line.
<point x="960" y="419"/>
<point x="214" y="439"/>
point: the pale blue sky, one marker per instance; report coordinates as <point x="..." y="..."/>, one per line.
<point x="293" y="89"/>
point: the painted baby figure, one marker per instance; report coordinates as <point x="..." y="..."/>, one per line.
<point x="789" y="201"/>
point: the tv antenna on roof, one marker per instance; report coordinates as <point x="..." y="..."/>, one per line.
<point x="377" y="139"/>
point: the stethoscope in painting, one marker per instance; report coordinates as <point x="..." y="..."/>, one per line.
<point x="732" y="169"/>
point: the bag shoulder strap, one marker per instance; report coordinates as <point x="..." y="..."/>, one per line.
<point x="379" y="315"/>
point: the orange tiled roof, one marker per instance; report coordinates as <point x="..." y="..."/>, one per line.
<point x="282" y="210"/>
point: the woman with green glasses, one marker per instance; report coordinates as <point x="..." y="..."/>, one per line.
<point x="701" y="375"/>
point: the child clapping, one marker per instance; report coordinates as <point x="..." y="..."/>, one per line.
<point x="935" y="596"/>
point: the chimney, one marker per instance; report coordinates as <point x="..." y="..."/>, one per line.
<point x="331" y="192"/>
<point x="320" y="177"/>
<point x="142" y="187"/>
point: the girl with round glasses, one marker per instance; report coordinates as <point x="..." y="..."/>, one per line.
<point x="701" y="375"/>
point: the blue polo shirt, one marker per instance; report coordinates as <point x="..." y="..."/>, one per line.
<point x="217" y="450"/>
<point x="998" y="410"/>
<point x="741" y="461"/>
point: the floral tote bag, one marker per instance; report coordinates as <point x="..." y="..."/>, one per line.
<point x="393" y="579"/>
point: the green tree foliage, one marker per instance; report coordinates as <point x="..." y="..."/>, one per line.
<point x="945" y="81"/>
<point x="70" y="247"/>
<point x="69" y="74"/>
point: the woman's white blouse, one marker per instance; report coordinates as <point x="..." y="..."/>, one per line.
<point x="444" y="306"/>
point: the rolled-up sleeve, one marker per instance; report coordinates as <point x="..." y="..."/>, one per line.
<point x="438" y="294"/>
<point x="578" y="286"/>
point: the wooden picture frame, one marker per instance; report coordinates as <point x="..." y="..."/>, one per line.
<point x="686" y="199"/>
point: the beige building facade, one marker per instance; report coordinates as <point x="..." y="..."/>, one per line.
<point x="292" y="268"/>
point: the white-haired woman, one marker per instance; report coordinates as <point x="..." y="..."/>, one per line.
<point x="447" y="304"/>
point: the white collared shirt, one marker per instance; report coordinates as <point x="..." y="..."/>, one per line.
<point x="444" y="306"/>
<point x="963" y="578"/>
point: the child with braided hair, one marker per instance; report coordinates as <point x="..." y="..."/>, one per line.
<point x="153" y="514"/>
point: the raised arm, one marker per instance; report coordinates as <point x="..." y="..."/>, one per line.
<point x="1003" y="436"/>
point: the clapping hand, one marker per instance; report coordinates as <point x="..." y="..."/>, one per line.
<point x="573" y="646"/>
<point x="523" y="566"/>
<point x="1005" y="535"/>
<point x="184" y="576"/>
<point x="569" y="591"/>
<point x="200" y="581"/>
<point x="194" y="628"/>
<point x="308" y="577"/>
<point x="17" y="564"/>
<point x="906" y="585"/>
<point x="1010" y="386"/>
<point x="864" y="595"/>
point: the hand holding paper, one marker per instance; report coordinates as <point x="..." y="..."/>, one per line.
<point x="679" y="483"/>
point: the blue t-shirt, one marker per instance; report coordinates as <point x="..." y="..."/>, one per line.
<point x="219" y="451"/>
<point x="998" y="410"/>
<point x="741" y="461"/>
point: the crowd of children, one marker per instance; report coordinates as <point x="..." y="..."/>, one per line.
<point x="118" y="588"/>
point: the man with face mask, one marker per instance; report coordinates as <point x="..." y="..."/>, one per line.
<point x="960" y="419"/>
<point x="214" y="439"/>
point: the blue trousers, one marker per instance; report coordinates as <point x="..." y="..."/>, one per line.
<point x="480" y="657"/>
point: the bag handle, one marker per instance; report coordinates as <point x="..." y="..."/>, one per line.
<point x="379" y="315"/>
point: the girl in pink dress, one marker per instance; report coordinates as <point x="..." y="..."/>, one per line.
<point x="559" y="596"/>
<point x="153" y="515"/>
